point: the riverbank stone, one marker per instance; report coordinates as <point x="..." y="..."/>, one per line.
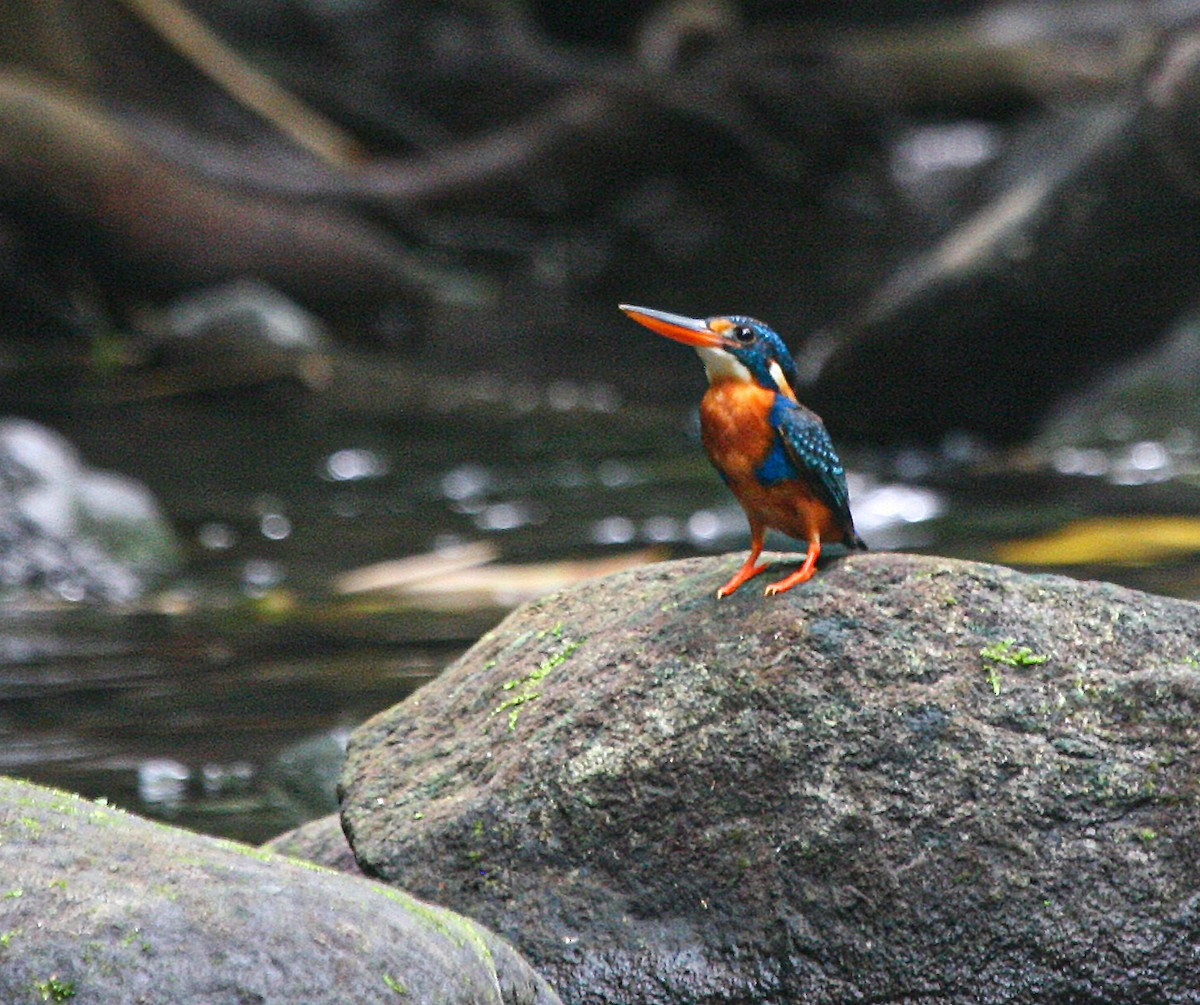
<point x="909" y="779"/>
<point x="320" y="841"/>
<point x="98" y="905"/>
<point x="71" y="532"/>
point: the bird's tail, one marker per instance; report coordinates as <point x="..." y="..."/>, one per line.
<point x="854" y="542"/>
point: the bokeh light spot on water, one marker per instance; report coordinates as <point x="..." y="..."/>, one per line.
<point x="222" y="778"/>
<point x="615" y="474"/>
<point x="911" y="465"/>
<point x="162" y="782"/>
<point x="942" y="147"/>
<point x="504" y="516"/>
<point x="71" y="592"/>
<point x="467" y="481"/>
<point x="272" y="523"/>
<point x="1143" y="462"/>
<point x="703" y="526"/>
<point x="1090" y="461"/>
<point x="564" y="395"/>
<point x="613" y="530"/>
<point x="603" y="398"/>
<point x="259" y="575"/>
<point x="661" y="529"/>
<point x="215" y="535"/>
<point x="275" y="526"/>
<point x="886" y="505"/>
<point x="1148" y="455"/>
<point x="352" y="464"/>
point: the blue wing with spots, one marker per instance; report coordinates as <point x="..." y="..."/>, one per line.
<point x="805" y="448"/>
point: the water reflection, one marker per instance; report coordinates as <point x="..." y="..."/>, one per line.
<point x="705" y="527"/>
<point x="613" y="530"/>
<point x="466" y="481"/>
<point x="232" y="724"/>
<point x="162" y="783"/>
<point x="505" y="515"/>
<point x="887" y="513"/>
<point x="353" y="464"/>
<point x="1137" y="463"/>
<point x="661" y="529"/>
<point x="260" y="575"/>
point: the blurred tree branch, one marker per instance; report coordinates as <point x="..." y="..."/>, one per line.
<point x="723" y="85"/>
<point x="1085" y="255"/>
<point x="129" y="147"/>
<point x="193" y="40"/>
<point x="177" y="228"/>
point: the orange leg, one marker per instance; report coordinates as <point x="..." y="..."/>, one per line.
<point x="750" y="569"/>
<point x="805" y="572"/>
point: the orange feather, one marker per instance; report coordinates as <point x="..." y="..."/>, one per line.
<point x="736" y="433"/>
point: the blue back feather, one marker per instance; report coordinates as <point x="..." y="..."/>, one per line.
<point x="801" y="439"/>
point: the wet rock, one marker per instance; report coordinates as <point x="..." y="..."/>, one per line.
<point x="304" y="775"/>
<point x="101" y="905"/>
<point x="247" y="311"/>
<point x="71" y="531"/>
<point x="320" y="841"/>
<point x="235" y="334"/>
<point x="911" y="778"/>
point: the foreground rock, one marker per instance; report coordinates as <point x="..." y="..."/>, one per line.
<point x="102" y="906"/>
<point x="910" y="779"/>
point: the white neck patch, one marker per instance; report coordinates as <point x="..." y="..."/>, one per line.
<point x="720" y="365"/>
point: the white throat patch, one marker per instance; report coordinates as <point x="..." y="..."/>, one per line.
<point x="720" y="365"/>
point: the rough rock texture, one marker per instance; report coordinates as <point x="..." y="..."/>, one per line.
<point x="321" y="841"/>
<point x="97" y="905"/>
<point x="828" y="796"/>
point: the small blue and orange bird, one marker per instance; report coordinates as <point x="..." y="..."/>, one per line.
<point x="772" y="451"/>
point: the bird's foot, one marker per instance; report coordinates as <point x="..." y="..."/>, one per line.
<point x="801" y="575"/>
<point x="747" y="571"/>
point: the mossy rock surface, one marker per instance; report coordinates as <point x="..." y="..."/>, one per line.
<point x="100" y="906"/>
<point x="827" y="796"/>
<point x="320" y="841"/>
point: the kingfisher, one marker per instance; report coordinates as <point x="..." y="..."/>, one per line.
<point x="772" y="452"/>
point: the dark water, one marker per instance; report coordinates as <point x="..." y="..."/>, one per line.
<point x="222" y="702"/>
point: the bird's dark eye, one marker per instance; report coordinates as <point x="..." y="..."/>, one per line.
<point x="744" y="334"/>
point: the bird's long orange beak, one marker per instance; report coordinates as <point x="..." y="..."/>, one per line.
<point x="689" y="331"/>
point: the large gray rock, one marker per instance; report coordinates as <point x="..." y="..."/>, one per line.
<point x="911" y="779"/>
<point x="98" y="905"/>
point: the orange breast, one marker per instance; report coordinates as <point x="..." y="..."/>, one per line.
<point x="737" y="434"/>
<point x="735" y="428"/>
